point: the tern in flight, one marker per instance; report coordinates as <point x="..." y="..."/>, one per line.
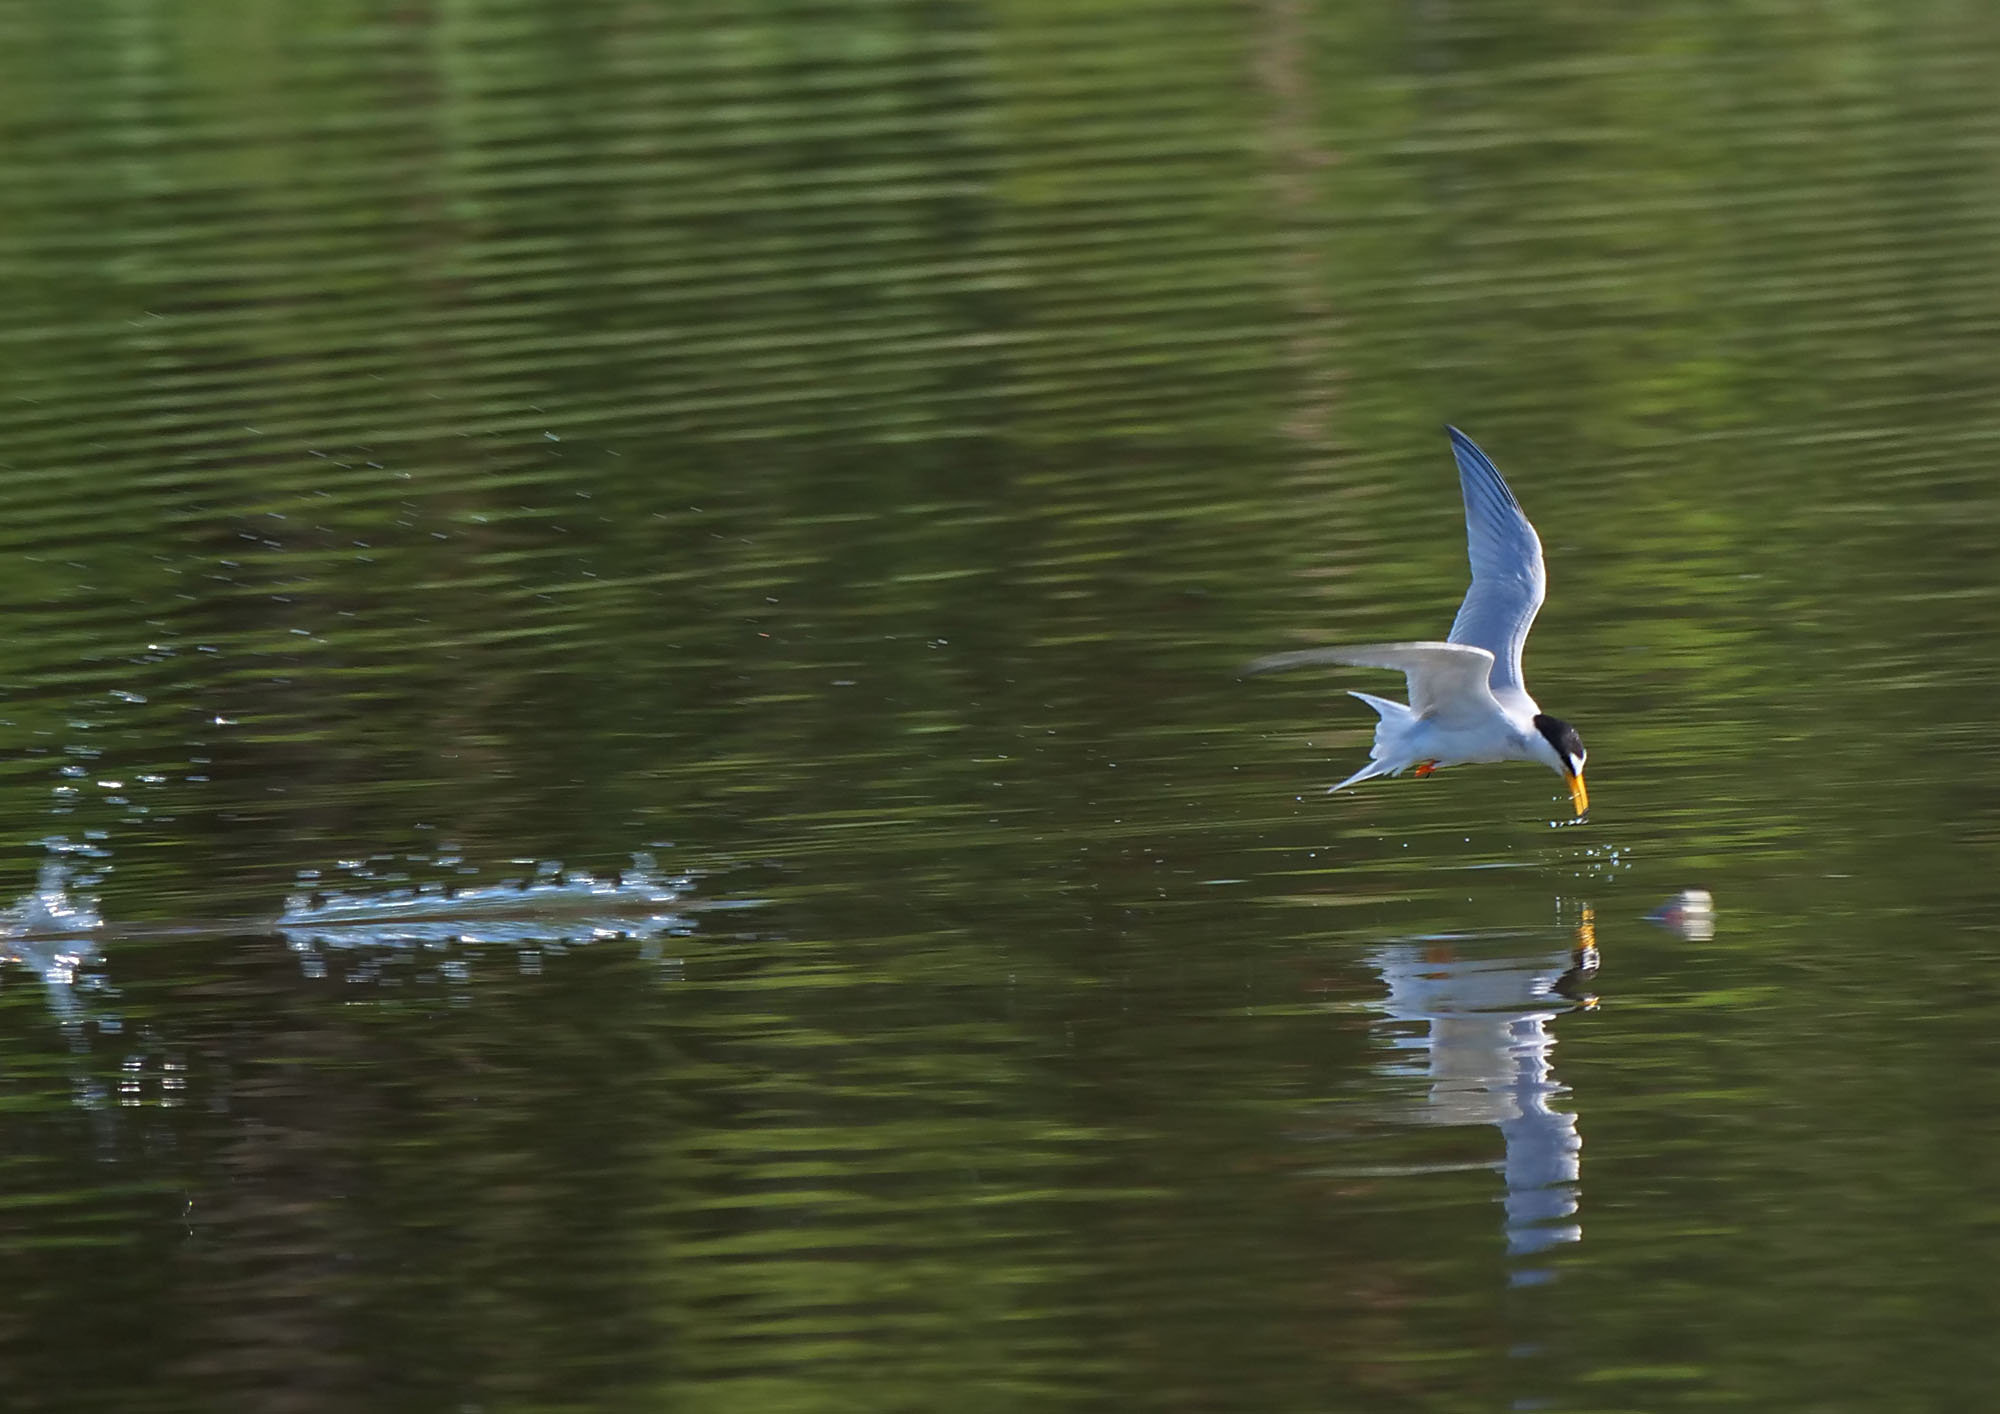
<point x="1467" y="700"/>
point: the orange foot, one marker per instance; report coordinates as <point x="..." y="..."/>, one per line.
<point x="1425" y="768"/>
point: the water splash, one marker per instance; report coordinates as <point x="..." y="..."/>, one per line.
<point x="52" y="932"/>
<point x="51" y="910"/>
<point x="57" y="932"/>
<point x="638" y="902"/>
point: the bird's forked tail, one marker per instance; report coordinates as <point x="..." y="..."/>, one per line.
<point x="1384" y="758"/>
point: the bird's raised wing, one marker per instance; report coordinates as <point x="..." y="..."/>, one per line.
<point x="1448" y="681"/>
<point x="1508" y="581"/>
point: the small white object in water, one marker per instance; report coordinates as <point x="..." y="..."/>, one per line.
<point x="1690" y="913"/>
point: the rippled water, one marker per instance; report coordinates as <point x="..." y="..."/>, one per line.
<point x="842" y="454"/>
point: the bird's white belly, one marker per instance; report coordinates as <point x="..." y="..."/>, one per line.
<point x="1466" y="746"/>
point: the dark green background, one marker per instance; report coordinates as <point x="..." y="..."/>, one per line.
<point x="848" y="447"/>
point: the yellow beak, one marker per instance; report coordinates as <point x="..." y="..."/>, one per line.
<point x="1578" y="796"/>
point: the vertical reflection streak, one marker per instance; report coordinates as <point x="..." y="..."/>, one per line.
<point x="1486" y="1010"/>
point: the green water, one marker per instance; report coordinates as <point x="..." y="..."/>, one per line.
<point x="846" y="450"/>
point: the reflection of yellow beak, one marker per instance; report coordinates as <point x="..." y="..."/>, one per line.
<point x="1578" y="796"/>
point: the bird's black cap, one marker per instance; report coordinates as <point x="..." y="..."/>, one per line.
<point x="1562" y="736"/>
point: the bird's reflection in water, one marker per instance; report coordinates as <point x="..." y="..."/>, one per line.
<point x="1486" y="1049"/>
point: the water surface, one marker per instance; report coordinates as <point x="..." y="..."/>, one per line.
<point x="845" y="452"/>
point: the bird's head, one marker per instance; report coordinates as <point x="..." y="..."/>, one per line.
<point x="1558" y="747"/>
